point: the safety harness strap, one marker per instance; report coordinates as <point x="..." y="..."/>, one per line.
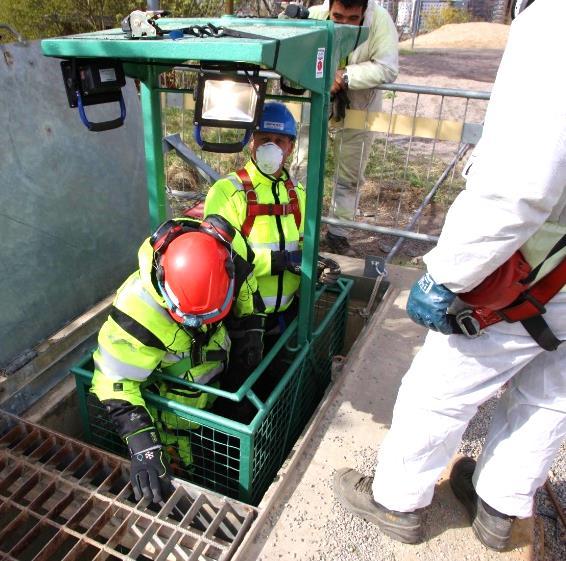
<point x="253" y="208"/>
<point x="529" y="307"/>
<point x="182" y="366"/>
<point x="538" y="329"/>
<point x="272" y="210"/>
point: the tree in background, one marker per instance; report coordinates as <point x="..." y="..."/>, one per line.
<point x="36" y="19"/>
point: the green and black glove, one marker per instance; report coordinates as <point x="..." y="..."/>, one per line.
<point x="246" y="335"/>
<point x="328" y="270"/>
<point x="149" y="472"/>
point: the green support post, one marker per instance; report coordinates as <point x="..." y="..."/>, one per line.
<point x="318" y="133"/>
<point x="151" y="112"/>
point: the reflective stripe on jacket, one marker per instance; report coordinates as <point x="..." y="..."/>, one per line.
<point x="140" y="336"/>
<point x="269" y="233"/>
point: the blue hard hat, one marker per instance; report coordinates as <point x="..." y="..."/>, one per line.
<point x="277" y="118"/>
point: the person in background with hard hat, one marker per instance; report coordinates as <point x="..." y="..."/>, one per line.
<point x="168" y="316"/>
<point x="370" y="64"/>
<point x="502" y="253"/>
<point x="268" y="208"/>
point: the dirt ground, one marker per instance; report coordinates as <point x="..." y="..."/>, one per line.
<point x="472" y="35"/>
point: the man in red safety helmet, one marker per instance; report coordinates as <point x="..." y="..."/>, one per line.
<point x="166" y="319"/>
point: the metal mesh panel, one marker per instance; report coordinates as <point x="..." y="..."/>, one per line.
<point x="214" y="455"/>
<point x="271" y="441"/>
<point x="300" y="391"/>
<point x="214" y="451"/>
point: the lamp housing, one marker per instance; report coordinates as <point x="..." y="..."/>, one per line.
<point x="232" y="101"/>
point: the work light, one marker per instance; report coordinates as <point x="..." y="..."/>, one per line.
<point x="233" y="101"/>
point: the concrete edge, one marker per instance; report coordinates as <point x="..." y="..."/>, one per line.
<point x="55" y="348"/>
<point x="250" y="548"/>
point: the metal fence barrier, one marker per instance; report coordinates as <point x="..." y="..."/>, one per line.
<point x="421" y="136"/>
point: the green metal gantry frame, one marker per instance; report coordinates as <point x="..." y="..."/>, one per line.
<point x="305" y="52"/>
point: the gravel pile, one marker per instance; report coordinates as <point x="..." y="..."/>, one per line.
<point x="473" y="35"/>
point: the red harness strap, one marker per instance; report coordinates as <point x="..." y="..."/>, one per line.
<point x="530" y="303"/>
<point x="528" y="308"/>
<point x="256" y="209"/>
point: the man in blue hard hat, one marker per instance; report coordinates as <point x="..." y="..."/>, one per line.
<point x="268" y="208"/>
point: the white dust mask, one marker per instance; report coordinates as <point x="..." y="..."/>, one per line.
<point x="269" y="158"/>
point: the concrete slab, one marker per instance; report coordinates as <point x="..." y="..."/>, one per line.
<point x="302" y="520"/>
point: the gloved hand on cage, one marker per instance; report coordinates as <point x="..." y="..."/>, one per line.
<point x="328" y="271"/>
<point x="286" y="261"/>
<point x="339" y="102"/>
<point x="428" y="304"/>
<point x="149" y="472"/>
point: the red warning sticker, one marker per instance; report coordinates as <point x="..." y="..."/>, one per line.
<point x="320" y="62"/>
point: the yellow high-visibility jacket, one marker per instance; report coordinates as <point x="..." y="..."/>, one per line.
<point x="269" y="233"/>
<point x="140" y="336"/>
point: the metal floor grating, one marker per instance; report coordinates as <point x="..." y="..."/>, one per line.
<point x="62" y="500"/>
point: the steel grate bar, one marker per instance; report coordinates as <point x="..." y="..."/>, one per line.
<point x="62" y="500"/>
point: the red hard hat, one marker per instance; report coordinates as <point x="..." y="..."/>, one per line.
<point x="195" y="276"/>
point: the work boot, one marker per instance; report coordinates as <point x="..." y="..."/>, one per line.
<point x="339" y="245"/>
<point x="354" y="491"/>
<point x="491" y="527"/>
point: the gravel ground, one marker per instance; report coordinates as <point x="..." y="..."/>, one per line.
<point x="550" y="534"/>
<point x="348" y="538"/>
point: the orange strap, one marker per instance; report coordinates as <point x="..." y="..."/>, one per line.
<point x="253" y="208"/>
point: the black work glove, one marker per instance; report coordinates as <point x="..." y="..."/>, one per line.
<point x="339" y="103"/>
<point x="149" y="471"/>
<point x="286" y="261"/>
<point x="246" y="335"/>
<point x="296" y="11"/>
<point x="328" y="270"/>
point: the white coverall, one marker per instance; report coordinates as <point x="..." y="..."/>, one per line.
<point x="373" y="62"/>
<point x="515" y="197"/>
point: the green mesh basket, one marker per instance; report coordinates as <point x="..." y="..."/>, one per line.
<point x="237" y="447"/>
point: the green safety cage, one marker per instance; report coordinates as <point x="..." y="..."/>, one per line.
<point x="240" y="458"/>
<point x="237" y="454"/>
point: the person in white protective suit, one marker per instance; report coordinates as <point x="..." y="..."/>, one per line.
<point x="370" y="64"/>
<point x="515" y="199"/>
